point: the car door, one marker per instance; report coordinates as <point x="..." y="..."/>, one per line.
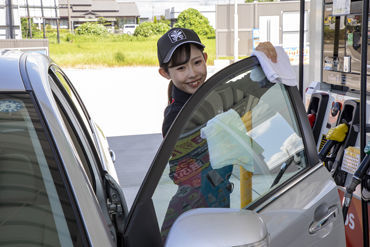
<point x="240" y="142"/>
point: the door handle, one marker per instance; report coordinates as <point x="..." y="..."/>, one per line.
<point x="317" y="225"/>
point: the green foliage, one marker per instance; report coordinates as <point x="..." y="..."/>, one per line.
<point x="148" y="29"/>
<point x="193" y="19"/>
<point x="102" y="20"/>
<point x="119" y="57"/>
<point x="89" y="28"/>
<point x="163" y="20"/>
<point x="25" y="32"/>
<point x="70" y="37"/>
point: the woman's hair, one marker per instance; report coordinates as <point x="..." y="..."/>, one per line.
<point x="179" y="57"/>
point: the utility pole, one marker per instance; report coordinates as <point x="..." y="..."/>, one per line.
<point x="9" y="20"/>
<point x="57" y="20"/>
<point x="236" y="29"/>
<point x="69" y="17"/>
<point x="43" y="19"/>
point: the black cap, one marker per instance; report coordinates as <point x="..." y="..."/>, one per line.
<point x="175" y="37"/>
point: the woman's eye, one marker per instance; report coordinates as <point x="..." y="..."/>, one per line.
<point x="198" y="61"/>
<point x="180" y="68"/>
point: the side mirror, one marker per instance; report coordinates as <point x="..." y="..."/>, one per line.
<point x="218" y="227"/>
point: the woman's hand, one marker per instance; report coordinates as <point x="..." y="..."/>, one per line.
<point x="268" y="49"/>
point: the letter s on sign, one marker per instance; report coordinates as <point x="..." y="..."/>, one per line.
<point x="351" y="220"/>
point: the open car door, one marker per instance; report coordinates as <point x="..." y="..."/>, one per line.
<point x="243" y="144"/>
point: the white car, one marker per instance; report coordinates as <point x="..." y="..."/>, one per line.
<point x="129" y="28"/>
<point x="238" y="167"/>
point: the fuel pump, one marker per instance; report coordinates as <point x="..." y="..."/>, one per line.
<point x="350" y="117"/>
<point x="360" y="174"/>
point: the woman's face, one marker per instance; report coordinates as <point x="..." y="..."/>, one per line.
<point x="190" y="76"/>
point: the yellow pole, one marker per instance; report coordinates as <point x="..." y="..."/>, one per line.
<point x="245" y="187"/>
<point x="246" y="176"/>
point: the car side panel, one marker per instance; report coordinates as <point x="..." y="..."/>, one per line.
<point x="289" y="217"/>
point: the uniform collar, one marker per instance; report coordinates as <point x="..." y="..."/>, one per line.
<point x="179" y="96"/>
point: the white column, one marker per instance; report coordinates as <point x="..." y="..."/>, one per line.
<point x="236" y="28"/>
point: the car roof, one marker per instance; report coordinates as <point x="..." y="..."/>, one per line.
<point x="16" y="67"/>
<point x="10" y="76"/>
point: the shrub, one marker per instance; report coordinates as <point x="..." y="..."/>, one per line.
<point x="69" y="37"/>
<point x="147" y="29"/>
<point x="119" y="57"/>
<point x="193" y="19"/>
<point x="91" y="29"/>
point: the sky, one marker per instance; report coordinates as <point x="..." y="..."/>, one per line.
<point x="149" y="8"/>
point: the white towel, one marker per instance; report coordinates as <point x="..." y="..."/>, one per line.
<point x="279" y="72"/>
<point x="229" y="143"/>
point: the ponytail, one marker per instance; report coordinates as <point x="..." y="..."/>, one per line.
<point x="169" y="92"/>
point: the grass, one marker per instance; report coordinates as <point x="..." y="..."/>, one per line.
<point x="110" y="51"/>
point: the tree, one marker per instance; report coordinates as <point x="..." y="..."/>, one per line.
<point x="193" y="19"/>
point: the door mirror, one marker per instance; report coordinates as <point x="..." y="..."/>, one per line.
<point x="218" y="227"/>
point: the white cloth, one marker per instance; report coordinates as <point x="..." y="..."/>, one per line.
<point x="229" y="143"/>
<point x="279" y="72"/>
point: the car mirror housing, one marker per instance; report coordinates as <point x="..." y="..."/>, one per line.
<point x="218" y="227"/>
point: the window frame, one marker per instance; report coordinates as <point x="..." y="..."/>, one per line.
<point x="85" y="125"/>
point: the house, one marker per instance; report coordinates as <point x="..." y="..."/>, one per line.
<point x="81" y="11"/>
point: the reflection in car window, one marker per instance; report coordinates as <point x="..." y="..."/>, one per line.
<point x="240" y="141"/>
<point x="74" y="98"/>
<point x="35" y="206"/>
<point x="77" y="144"/>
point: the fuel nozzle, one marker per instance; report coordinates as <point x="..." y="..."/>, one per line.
<point x="356" y="179"/>
<point x="312" y="118"/>
<point x="335" y="135"/>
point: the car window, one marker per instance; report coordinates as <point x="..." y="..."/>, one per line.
<point x="35" y="206"/>
<point x="240" y="142"/>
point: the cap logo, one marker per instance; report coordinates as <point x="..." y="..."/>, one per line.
<point x="176" y="35"/>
